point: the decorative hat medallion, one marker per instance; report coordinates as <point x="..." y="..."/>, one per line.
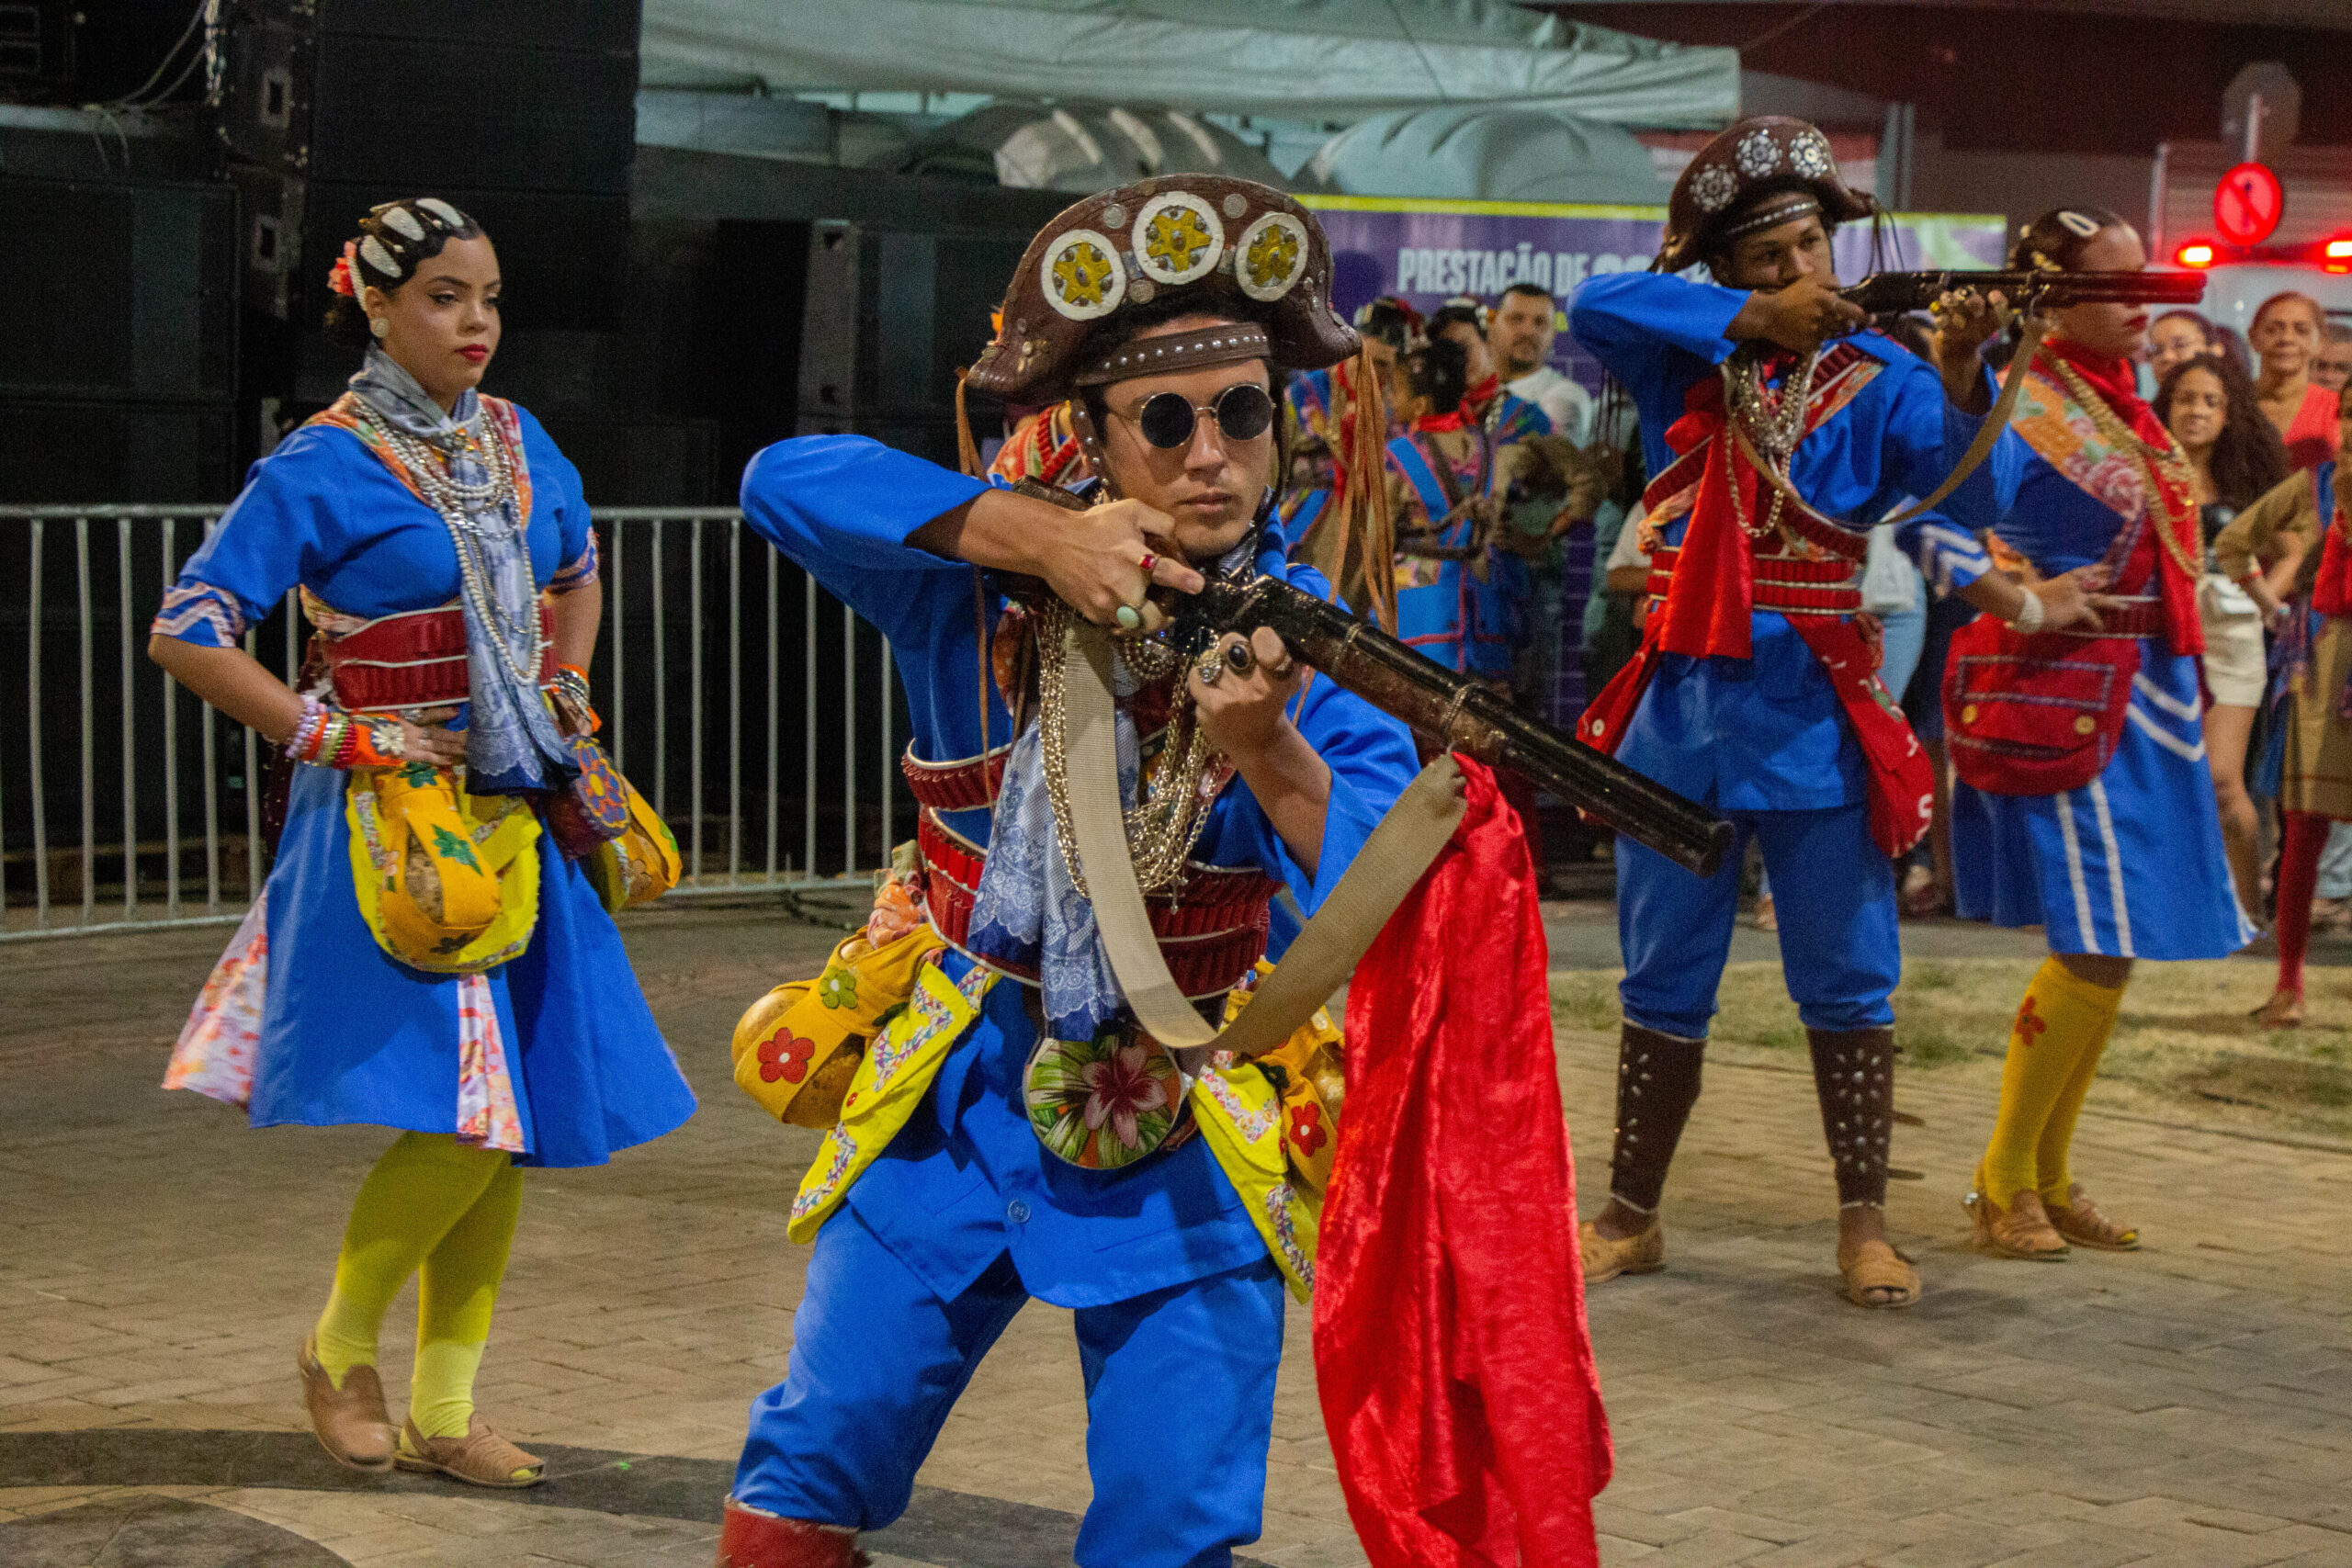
<point x="1081" y="276"/>
<point x="1178" y="238"/>
<point x="1271" y="256"/>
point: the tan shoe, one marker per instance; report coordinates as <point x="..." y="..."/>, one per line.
<point x="1878" y="1276"/>
<point x="482" y="1457"/>
<point x="2022" y="1230"/>
<point x="350" y="1421"/>
<point x="1605" y="1258"/>
<point x="2079" y="1220"/>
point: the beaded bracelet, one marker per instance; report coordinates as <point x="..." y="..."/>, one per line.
<point x="332" y="739"/>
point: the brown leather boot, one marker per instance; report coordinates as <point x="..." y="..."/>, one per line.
<point x="750" y="1539"/>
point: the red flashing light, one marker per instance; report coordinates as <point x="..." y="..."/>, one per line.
<point x="2337" y="255"/>
<point x="2197" y="252"/>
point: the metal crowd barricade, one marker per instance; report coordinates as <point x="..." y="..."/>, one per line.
<point x="755" y="711"/>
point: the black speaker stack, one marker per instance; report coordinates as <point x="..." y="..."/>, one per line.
<point x="118" y="338"/>
<point x="523" y="114"/>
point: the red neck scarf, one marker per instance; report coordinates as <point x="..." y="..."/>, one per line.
<point x="1455" y="419"/>
<point x="1709" y="617"/>
<point x="1480" y="398"/>
<point x="2172" y="508"/>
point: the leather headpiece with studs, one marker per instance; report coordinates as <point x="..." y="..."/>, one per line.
<point x="1764" y="170"/>
<point x="1229" y="247"/>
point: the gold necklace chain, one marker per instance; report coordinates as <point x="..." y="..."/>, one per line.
<point x="2110" y="426"/>
<point x="1170" y="812"/>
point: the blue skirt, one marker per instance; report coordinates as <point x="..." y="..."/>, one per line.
<point x="350" y="1035"/>
<point x="2128" y="866"/>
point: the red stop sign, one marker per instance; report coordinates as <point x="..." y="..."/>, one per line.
<point x="2248" y="204"/>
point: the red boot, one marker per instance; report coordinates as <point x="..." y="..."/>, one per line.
<point x="748" y="1539"/>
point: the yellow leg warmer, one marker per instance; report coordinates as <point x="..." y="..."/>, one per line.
<point x="454" y="1295"/>
<point x="2052" y="1176"/>
<point x="2062" y="1027"/>
<point x="421" y="1188"/>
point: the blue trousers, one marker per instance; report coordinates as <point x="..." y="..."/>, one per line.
<point x="1180" y="1401"/>
<point x="1839" y="951"/>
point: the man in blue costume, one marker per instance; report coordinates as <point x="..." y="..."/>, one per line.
<point x="1754" y="691"/>
<point x="1159" y="311"/>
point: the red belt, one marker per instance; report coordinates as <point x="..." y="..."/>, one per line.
<point x="415" y="659"/>
<point x="1789" y="584"/>
<point x="965" y="786"/>
<point x="1212" y="930"/>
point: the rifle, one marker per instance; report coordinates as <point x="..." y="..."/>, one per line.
<point x="1892" y="293"/>
<point x="1459" y="712"/>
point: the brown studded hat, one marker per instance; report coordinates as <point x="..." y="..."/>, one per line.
<point x="1232" y="247"/>
<point x="1764" y="170"/>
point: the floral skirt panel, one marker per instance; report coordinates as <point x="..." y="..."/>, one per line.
<point x="554" y="1055"/>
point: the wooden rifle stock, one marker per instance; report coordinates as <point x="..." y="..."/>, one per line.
<point x="1460" y="712"/>
<point x="1887" y="293"/>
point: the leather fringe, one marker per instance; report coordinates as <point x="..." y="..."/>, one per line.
<point x="967" y="452"/>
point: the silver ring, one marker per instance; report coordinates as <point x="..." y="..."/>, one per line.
<point x="1129" y="618"/>
<point x="1211" y="668"/>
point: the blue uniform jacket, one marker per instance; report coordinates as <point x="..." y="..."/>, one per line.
<point x="966" y="1180"/>
<point x="1765" y="735"/>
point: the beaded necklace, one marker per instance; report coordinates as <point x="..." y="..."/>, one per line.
<point x="456" y="503"/>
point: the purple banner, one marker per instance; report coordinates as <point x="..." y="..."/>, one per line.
<point x="1428" y="251"/>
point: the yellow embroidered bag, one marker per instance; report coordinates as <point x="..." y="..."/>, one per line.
<point x="447" y="881"/>
<point x="796" y="1048"/>
<point x="640" y="865"/>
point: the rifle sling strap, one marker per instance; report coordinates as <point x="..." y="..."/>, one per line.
<point x="1318" y="963"/>
<point x="2004" y="409"/>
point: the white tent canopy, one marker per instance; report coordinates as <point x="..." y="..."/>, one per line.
<point x="1341" y="60"/>
<point x="1481" y="152"/>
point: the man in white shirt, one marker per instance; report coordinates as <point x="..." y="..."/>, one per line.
<point x="1519" y="335"/>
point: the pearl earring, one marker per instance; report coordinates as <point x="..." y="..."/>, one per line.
<point x="377" y="325"/>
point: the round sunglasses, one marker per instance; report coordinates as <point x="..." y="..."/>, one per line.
<point x="1243" y="412"/>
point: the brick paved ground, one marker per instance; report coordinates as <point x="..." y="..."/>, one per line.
<point x="158" y="1262"/>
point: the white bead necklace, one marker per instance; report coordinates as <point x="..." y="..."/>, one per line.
<point x="455" y="501"/>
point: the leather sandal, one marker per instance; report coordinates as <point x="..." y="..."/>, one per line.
<point x="1878" y="1276"/>
<point x="2024" y="1230"/>
<point x="2079" y="1220"/>
<point x="1605" y="1258"/>
<point x="2283" y="1011"/>
<point x="350" y="1422"/>
<point x="482" y="1457"/>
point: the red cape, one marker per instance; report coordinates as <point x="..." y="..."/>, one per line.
<point x="1455" y="1371"/>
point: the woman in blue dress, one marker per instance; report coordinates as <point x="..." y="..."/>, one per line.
<point x="443" y="550"/>
<point x="2084" y="803"/>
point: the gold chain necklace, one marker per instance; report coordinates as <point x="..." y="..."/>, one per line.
<point x="2110" y="427"/>
<point x="1170" y="812"/>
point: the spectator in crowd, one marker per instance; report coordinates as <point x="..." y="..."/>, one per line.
<point x="2286" y="333"/>
<point x="1319" y="419"/>
<point x="2234" y="457"/>
<point x="2175" y="337"/>
<point x="2272" y="543"/>
<point x="1518" y="339"/>
<point x="2332" y="367"/>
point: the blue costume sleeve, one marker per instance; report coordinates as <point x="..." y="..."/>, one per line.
<point x="283" y="524"/>
<point x="1657" y="335"/>
<point x="841" y="506"/>
<point x="563" y="557"/>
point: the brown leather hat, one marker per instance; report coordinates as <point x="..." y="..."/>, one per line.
<point x="1233" y="248"/>
<point x="1764" y="170"/>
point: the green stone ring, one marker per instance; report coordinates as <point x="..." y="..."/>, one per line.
<point x="1129" y="618"/>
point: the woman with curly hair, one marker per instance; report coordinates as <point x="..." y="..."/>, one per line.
<point x="2234" y="457"/>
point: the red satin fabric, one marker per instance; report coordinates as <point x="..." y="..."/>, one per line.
<point x="2332" y="592"/>
<point x="1454" y="421"/>
<point x="1455" y="1371"/>
<point x="2172" y="507"/>
<point x="1709" y="617"/>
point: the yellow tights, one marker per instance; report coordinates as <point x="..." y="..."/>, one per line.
<point x="2055" y="1048"/>
<point x="434" y="1206"/>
